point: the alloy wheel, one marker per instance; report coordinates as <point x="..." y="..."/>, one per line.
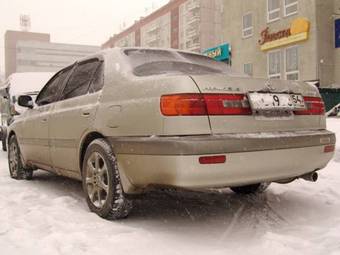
<point x="97" y="180"/>
<point x="13" y="159"/>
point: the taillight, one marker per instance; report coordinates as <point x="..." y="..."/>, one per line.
<point x="329" y="148"/>
<point x="205" y="104"/>
<point x="314" y="106"/>
<point x="183" y="105"/>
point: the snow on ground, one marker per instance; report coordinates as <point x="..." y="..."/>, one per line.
<point x="49" y="216"/>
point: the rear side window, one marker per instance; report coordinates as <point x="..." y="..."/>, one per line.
<point x="146" y="62"/>
<point x="80" y="80"/>
<point x="98" y="79"/>
<point x="50" y="92"/>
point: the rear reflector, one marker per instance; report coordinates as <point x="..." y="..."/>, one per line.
<point x="315" y="106"/>
<point x="329" y="148"/>
<point x="205" y="104"/>
<point x="212" y="160"/>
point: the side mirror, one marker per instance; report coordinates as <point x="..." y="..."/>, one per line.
<point x="25" y="101"/>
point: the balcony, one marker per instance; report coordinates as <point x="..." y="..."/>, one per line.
<point x="152" y="39"/>
<point x="192" y="33"/>
<point x="153" y="28"/>
<point x="193" y="6"/>
<point x="193" y="19"/>
<point x="193" y="45"/>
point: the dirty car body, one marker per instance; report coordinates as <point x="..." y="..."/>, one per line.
<point x="175" y="119"/>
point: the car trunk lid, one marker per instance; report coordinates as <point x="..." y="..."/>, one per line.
<point x="264" y="121"/>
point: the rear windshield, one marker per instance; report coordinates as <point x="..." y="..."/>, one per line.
<point x="146" y="62"/>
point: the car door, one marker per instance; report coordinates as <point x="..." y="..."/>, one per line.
<point x="73" y="115"/>
<point x="35" y="136"/>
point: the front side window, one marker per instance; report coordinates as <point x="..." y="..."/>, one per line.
<point x="247" y="30"/>
<point x="274" y="65"/>
<point x="292" y="63"/>
<point x="291" y="7"/>
<point x="273" y="10"/>
<point x="80" y="80"/>
<point x="49" y="93"/>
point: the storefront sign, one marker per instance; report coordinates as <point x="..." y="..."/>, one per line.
<point x="299" y="31"/>
<point x="337" y="33"/>
<point x="219" y="53"/>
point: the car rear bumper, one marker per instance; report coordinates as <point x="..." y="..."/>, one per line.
<point x="251" y="158"/>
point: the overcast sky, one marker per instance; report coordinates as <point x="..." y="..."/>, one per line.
<point x="89" y="22"/>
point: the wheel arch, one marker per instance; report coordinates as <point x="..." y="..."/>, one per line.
<point x="85" y="142"/>
<point x="11" y="133"/>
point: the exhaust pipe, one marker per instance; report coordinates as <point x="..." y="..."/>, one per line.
<point x="311" y="177"/>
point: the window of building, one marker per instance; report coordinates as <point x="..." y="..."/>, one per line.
<point x="292" y="63"/>
<point x="274" y="64"/>
<point x="248" y="69"/>
<point x="80" y="80"/>
<point x="291" y="7"/>
<point x="247" y="29"/>
<point x="273" y="10"/>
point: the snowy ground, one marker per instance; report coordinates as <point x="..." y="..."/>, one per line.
<point x="49" y="216"/>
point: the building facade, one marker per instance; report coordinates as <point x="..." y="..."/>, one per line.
<point x="11" y="40"/>
<point x="35" y="56"/>
<point x="34" y="52"/>
<point x="285" y="39"/>
<point x="181" y="24"/>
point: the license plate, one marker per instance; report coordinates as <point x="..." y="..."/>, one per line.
<point x="271" y="101"/>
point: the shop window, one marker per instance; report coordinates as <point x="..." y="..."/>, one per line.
<point x="273" y="10"/>
<point x="274" y="64"/>
<point x="291" y="7"/>
<point x="247" y="30"/>
<point x="292" y="63"/>
<point x="248" y="69"/>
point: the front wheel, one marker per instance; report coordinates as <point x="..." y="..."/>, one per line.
<point x="251" y="189"/>
<point x="16" y="168"/>
<point x="101" y="182"/>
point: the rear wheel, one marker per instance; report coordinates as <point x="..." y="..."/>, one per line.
<point x="101" y="182"/>
<point x="16" y="168"/>
<point x="251" y="189"/>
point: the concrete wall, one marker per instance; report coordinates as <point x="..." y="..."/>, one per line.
<point x="318" y="59"/>
<point x="325" y="41"/>
<point x="247" y="50"/>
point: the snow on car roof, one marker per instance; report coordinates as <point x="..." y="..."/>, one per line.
<point x="21" y="83"/>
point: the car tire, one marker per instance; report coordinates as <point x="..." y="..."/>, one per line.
<point x="250" y="189"/>
<point x="101" y="182"/>
<point x="16" y="167"/>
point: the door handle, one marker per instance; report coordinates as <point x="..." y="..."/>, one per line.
<point x="86" y="114"/>
<point x="44" y="120"/>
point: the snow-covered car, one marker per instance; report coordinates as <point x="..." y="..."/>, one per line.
<point x="334" y="112"/>
<point x="125" y="121"/>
